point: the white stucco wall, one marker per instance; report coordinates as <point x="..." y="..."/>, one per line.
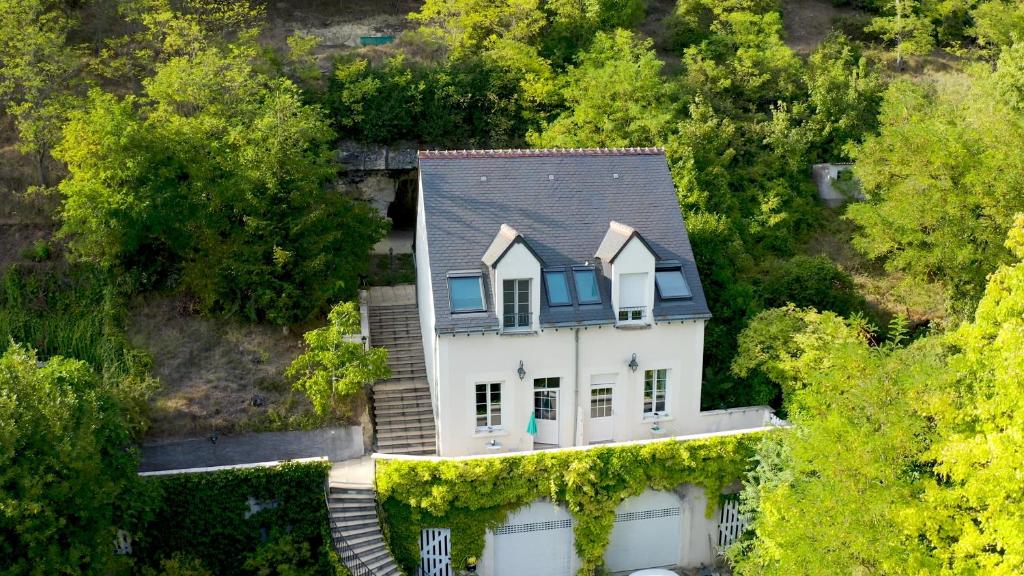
<point x="604" y="352"/>
<point x="425" y="299"/>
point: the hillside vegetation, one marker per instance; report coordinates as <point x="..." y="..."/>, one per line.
<point x="180" y="154"/>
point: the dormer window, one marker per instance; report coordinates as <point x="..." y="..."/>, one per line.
<point x="516" y="300"/>
<point x="586" y="286"/>
<point x="671" y="283"/>
<point x="466" y="293"/>
<point x="557" y="287"/>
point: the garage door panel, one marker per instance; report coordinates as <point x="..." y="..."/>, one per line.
<point x="536" y="541"/>
<point x="647" y="533"/>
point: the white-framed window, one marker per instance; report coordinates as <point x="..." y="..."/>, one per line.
<point x="632" y="302"/>
<point x="488" y="405"/>
<point x="601" y="401"/>
<point x="655" y="389"/>
<point x="516" y="301"/>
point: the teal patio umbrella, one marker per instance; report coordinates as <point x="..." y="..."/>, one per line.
<point x="531" y="426"/>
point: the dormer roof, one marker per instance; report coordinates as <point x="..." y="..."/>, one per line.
<point x="506" y="238"/>
<point x="616" y="238"/>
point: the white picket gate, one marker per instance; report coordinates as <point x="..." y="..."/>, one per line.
<point x="435" y="552"/>
<point x="731" y="524"/>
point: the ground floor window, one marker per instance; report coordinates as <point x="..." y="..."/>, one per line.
<point x="600" y="401"/>
<point x="545" y="398"/>
<point x="655" y="387"/>
<point x="488" y="405"/>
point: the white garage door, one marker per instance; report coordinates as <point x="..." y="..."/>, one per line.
<point x="647" y="533"/>
<point x="537" y="541"/>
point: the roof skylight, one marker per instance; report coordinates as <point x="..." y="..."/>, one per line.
<point x="586" y="285"/>
<point x="672" y="284"/>
<point x="467" y="293"/>
<point x="558" y="288"/>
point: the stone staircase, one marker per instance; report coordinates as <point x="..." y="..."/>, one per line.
<point x="403" y="413"/>
<point x="355" y="529"/>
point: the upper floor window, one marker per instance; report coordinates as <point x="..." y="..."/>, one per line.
<point x="671" y="283"/>
<point x="586" y="286"/>
<point x="632" y="299"/>
<point x="558" y="288"/>
<point x="655" y="389"/>
<point x="467" y="293"/>
<point x="488" y="405"/>
<point x="516" y="301"/>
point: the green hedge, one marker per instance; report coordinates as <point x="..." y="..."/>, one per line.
<point x="472" y="496"/>
<point x="203" y="516"/>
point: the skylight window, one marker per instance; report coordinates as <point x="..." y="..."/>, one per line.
<point x="467" y="293"/>
<point x="586" y="285"/>
<point x="671" y="284"/>
<point x="558" y="288"/>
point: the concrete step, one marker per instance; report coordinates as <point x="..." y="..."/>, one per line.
<point x="353" y="532"/>
<point x="342" y="491"/>
<point x="407" y="447"/>
<point x="348" y="518"/>
<point x="411" y="407"/>
<point x="406" y="423"/>
<point x="408" y="398"/>
<point x="399" y="385"/>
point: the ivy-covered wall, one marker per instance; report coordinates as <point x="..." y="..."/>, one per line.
<point x="472" y="496"/>
<point x="207" y="518"/>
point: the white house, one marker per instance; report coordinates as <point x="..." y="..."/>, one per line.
<point x="559" y="284"/>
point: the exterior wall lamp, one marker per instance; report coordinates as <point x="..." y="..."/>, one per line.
<point x="521" y="371"/>
<point x="633" y="364"/>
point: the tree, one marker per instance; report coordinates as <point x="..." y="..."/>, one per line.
<point x="979" y="489"/>
<point x="465" y="26"/>
<point x="37" y="75"/>
<point x="67" y="466"/>
<point x="845" y="93"/>
<point x="219" y="175"/>
<point x="998" y="23"/>
<point x="336" y="365"/>
<point x="943" y="178"/>
<point x="832" y="493"/>
<point x="615" y="97"/>
<point x="905" y="27"/>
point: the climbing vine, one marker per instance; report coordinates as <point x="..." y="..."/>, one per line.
<point x="237" y="521"/>
<point x="472" y="496"/>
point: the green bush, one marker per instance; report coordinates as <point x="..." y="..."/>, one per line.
<point x="810" y="282"/>
<point x="207" y="516"/>
<point x="471" y="496"/>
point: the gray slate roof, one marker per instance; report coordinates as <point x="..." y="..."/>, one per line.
<point x="561" y="202"/>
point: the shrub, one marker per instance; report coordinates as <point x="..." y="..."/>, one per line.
<point x="810" y="281"/>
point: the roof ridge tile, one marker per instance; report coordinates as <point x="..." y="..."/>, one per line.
<point x="537" y="152"/>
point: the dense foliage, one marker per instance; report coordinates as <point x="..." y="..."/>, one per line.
<point x="944" y="177"/>
<point x="218" y="173"/>
<point x="471" y="496"/>
<point x="336" y="364"/>
<point x="67" y="466"/>
<point x="903" y="459"/>
<point x="205" y="521"/>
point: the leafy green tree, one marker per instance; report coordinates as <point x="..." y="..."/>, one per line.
<point x="810" y="282"/>
<point x="218" y="175"/>
<point x="465" y="26"/>
<point x="944" y="178"/>
<point x="979" y="489"/>
<point x="38" y="75"/>
<point x="1009" y="76"/>
<point x="336" y="364"/>
<point x="998" y="23"/>
<point x="833" y="492"/>
<point x="615" y="97"/>
<point x="845" y="93"/>
<point x="67" y="466"/>
<point x="905" y="27"/>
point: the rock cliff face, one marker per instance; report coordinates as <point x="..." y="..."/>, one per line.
<point x="379" y="174"/>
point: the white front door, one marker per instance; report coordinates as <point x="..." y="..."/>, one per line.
<point x="545" y="410"/>
<point x="601" y="413"/>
